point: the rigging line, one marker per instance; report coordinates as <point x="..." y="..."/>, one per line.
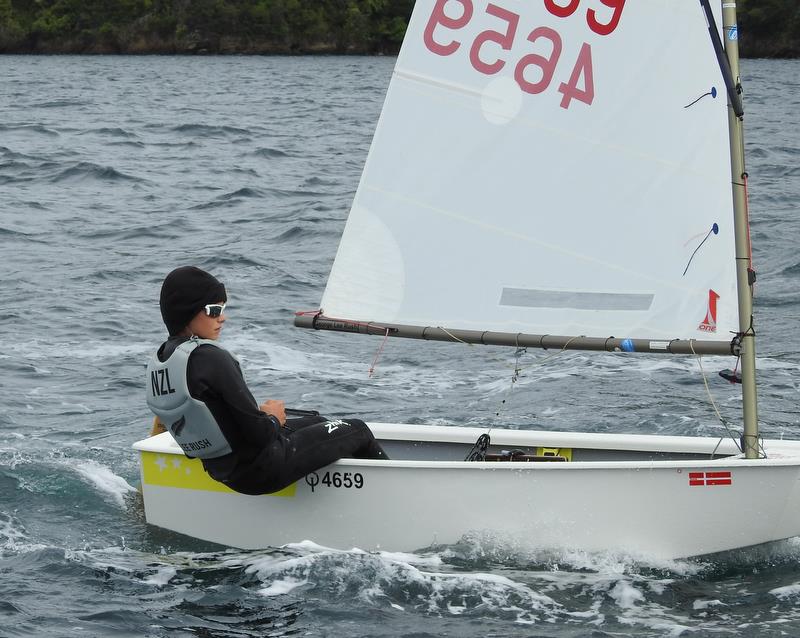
<point x="747" y="216"/>
<point x="751" y="268"/>
<point x="378" y="353"/>
<point x="453" y="337"/>
<point x="479" y="449"/>
<point x="514" y="377"/>
<point x="518" y="369"/>
<point x="713" y="404"/>
<point x="714" y="230"/>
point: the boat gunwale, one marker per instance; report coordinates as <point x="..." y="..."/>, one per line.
<point x="783" y="453"/>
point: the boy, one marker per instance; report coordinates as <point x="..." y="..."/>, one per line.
<point x="196" y="388"/>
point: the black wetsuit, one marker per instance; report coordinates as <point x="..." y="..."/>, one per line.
<point x="266" y="457"/>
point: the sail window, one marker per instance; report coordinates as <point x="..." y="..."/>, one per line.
<point x="532" y="298"/>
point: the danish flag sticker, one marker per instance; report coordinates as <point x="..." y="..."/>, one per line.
<point x="709" y="324"/>
<point x="707" y="479"/>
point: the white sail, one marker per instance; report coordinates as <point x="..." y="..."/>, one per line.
<point x="537" y="168"/>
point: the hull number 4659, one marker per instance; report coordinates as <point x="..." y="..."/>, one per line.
<point x="346" y="480"/>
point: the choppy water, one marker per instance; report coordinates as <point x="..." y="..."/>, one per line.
<point x="114" y="170"/>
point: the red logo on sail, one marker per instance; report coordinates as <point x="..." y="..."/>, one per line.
<point x="709" y="324"/>
<point x="703" y="479"/>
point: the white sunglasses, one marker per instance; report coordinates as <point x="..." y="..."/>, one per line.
<point x="214" y="309"/>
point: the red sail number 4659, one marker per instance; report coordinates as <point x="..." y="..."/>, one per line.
<point x="579" y="86"/>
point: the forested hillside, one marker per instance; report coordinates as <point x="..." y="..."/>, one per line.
<point x="203" y="26"/>
<point x="768" y="28"/>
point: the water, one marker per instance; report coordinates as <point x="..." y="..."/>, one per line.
<point x="114" y="170"/>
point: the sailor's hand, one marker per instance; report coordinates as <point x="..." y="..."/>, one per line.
<point x="276" y="409"/>
<point x="158" y="427"/>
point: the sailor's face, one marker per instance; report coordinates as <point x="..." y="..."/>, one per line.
<point x="206" y="327"/>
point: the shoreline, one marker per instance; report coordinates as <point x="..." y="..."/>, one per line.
<point x="765" y="51"/>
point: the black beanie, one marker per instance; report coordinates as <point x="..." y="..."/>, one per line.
<point x="184" y="293"/>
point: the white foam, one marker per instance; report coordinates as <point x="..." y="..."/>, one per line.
<point x="263" y="360"/>
<point x="161" y="577"/>
<point x="113" y="486"/>
<point x="411" y="559"/>
<point x="10" y="458"/>
<point x="705" y="604"/>
<point x="280" y="587"/>
<point x="787" y="591"/>
<point x="13" y="538"/>
<point x="37" y="349"/>
<point x="75" y="408"/>
<point x="626" y="595"/>
<point x="378" y="577"/>
<point x="612" y="564"/>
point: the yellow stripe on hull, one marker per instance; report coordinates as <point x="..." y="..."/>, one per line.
<point x="173" y="470"/>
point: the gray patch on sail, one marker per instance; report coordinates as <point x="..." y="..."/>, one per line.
<point x="529" y="298"/>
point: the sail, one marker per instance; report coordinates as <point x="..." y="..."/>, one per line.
<point x="547" y="167"/>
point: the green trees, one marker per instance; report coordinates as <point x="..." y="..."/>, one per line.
<point x="10" y="29"/>
<point x="203" y="26"/>
<point x="767" y="27"/>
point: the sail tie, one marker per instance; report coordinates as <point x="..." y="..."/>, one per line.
<point x="714" y="230"/>
<point x="712" y="93"/>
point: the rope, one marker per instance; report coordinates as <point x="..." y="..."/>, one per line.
<point x="378" y="353"/>
<point x="747" y="225"/>
<point x="478" y="451"/>
<point x="713" y="404"/>
<point x="453" y="337"/>
<point x="747" y="216"/>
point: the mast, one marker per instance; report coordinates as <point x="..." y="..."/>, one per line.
<point x="745" y="276"/>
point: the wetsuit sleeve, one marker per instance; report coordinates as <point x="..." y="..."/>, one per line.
<point x="215" y="378"/>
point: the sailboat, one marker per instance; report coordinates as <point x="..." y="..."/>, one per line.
<point x="560" y="174"/>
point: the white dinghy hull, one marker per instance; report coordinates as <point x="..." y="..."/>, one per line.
<point x="662" y="499"/>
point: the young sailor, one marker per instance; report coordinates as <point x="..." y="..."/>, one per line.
<point x="196" y="389"/>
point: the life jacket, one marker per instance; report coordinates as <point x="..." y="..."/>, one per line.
<point x="189" y="420"/>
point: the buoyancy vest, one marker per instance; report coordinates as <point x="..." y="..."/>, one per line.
<point x="189" y="420"/>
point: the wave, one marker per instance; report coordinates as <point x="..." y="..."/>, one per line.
<point x="90" y="171"/>
<point x="110" y="131"/>
<point x="242" y="193"/>
<point x="292" y="234"/>
<point x="54" y="104"/>
<point x="14" y="537"/>
<point x="209" y="130"/>
<point x="7" y="153"/>
<point x="485" y="585"/>
<point x="12" y="232"/>
<point x="778" y="171"/>
<point x="235" y="197"/>
<point x="319" y="181"/>
<point x="105" y="481"/>
<point x="270" y="153"/>
<point x="174" y="227"/>
<point x="33" y="128"/>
